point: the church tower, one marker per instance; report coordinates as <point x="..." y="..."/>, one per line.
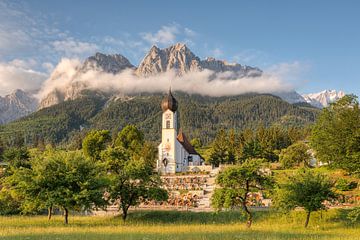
<point x="168" y="147"/>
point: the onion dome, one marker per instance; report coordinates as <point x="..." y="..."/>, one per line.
<point x="169" y="102"/>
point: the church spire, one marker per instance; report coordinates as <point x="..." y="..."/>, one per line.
<point x="169" y="102"/>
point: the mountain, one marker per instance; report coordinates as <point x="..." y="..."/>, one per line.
<point x="290" y="97"/>
<point x="113" y="63"/>
<point x="324" y="98"/>
<point x="16" y="105"/>
<point x="177" y="57"/>
<point x="180" y="58"/>
<point x="200" y="116"/>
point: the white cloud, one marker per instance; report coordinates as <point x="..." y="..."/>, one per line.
<point x="17" y="75"/>
<point x="166" y="35"/>
<point x="49" y="67"/>
<point x="71" y="47"/>
<point x="203" y="82"/>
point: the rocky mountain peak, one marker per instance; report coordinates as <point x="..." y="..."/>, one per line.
<point x="15" y="105"/>
<point x="323" y="98"/>
<point x="180" y="58"/>
<point x="110" y="63"/>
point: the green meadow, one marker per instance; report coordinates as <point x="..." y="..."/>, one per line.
<point x="331" y="224"/>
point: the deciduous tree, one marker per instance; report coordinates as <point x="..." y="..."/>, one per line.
<point x="237" y="182"/>
<point x="305" y="189"/>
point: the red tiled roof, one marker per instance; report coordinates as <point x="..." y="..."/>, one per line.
<point x="185" y="143"/>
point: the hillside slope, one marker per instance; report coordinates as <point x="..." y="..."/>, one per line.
<point x="199" y="116"/>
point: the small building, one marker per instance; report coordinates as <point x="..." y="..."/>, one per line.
<point x="176" y="154"/>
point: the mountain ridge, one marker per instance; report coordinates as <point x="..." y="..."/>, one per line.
<point x="324" y="98"/>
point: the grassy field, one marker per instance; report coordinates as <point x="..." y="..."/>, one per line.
<point x="181" y="225"/>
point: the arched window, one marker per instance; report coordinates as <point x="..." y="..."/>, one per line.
<point x="167" y="124"/>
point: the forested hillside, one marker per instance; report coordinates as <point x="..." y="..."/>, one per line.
<point x="199" y="117"/>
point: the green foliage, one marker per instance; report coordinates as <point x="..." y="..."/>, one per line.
<point x="130" y="138"/>
<point x="354" y="215"/>
<point x="58" y="178"/>
<point x="261" y="142"/>
<point x="196" y="143"/>
<point x="9" y="202"/>
<point x="336" y="135"/>
<point x="344" y="185"/>
<point x="95" y="142"/>
<point x="305" y="189"/>
<point x="235" y="184"/>
<point x="222" y="151"/>
<point x="129" y="166"/>
<point x="202" y="117"/>
<point x="294" y="155"/>
<point x="16" y="158"/>
<point x="54" y="124"/>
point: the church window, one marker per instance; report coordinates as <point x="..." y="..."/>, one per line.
<point x="168" y="124"/>
<point x="190" y="158"/>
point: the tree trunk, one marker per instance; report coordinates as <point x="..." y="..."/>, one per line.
<point x="249" y="215"/>
<point x="307" y="219"/>
<point x="124" y="215"/>
<point x="49" y="213"/>
<point x="66" y="215"/>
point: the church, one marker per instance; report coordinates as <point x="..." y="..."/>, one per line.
<point x="176" y="154"/>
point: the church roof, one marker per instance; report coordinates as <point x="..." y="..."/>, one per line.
<point x="185" y="143"/>
<point x="169" y="102"/>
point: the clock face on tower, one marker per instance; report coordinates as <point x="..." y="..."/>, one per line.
<point x="167" y="116"/>
<point x="167" y="147"/>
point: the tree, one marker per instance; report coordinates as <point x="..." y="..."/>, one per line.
<point x="94" y="142"/>
<point x="64" y="179"/>
<point x="222" y="150"/>
<point x="17" y="157"/>
<point x="336" y="135"/>
<point x="196" y="143"/>
<point x="295" y="154"/>
<point x="237" y="182"/>
<point x="129" y="166"/>
<point x="130" y="138"/>
<point x="252" y="149"/>
<point x="305" y="189"/>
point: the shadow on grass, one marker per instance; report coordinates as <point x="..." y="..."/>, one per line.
<point x="247" y="234"/>
<point x="180" y="217"/>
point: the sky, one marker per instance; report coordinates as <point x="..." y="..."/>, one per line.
<point x="317" y="43"/>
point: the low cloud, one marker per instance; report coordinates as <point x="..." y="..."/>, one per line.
<point x="204" y="82"/>
<point x="169" y="34"/>
<point x="17" y="75"/>
<point x="71" y="47"/>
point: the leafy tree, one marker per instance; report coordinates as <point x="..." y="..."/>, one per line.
<point x="94" y="142"/>
<point x="252" y="149"/>
<point x="129" y="166"/>
<point x="196" y="143"/>
<point x="305" y="189"/>
<point x="336" y="134"/>
<point x="296" y="154"/>
<point x="63" y="179"/>
<point x="237" y="182"/>
<point x="222" y="151"/>
<point x="130" y="138"/>
<point x="16" y="158"/>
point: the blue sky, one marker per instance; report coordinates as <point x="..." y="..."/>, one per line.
<point x="317" y="40"/>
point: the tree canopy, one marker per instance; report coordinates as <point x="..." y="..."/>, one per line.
<point x="129" y="166"/>
<point x="305" y="189"/>
<point x="336" y="135"/>
<point x="237" y="182"/>
<point x="294" y="155"/>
